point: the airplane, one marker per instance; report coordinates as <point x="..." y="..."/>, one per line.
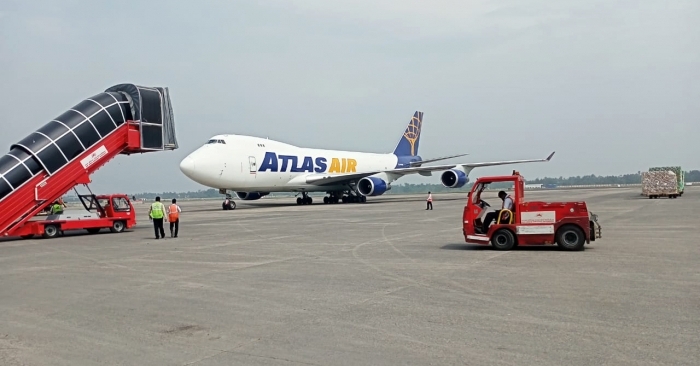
<point x="253" y="167"/>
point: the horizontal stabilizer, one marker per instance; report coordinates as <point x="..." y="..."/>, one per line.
<point x="476" y="165"/>
<point x="467" y="166"/>
<point x="419" y="163"/>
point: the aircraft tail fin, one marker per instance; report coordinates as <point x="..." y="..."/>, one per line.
<point x="408" y="144"/>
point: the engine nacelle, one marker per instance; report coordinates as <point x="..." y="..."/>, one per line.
<point x="454" y="178"/>
<point x="251" y="196"/>
<point x="372" y="186"/>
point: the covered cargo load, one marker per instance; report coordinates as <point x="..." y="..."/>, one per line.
<point x="657" y="184"/>
<point x="680" y="176"/>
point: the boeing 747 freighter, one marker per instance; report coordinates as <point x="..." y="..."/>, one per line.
<point x="253" y="167"/>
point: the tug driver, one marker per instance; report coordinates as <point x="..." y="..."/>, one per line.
<point x="507" y="205"/>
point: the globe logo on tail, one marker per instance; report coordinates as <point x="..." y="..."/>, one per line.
<point x="413" y="132"/>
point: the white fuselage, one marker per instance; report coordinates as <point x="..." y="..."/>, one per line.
<point x="245" y="164"/>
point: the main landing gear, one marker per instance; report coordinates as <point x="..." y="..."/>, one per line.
<point x="305" y="199"/>
<point x="334" y="197"/>
<point x="345" y="197"/>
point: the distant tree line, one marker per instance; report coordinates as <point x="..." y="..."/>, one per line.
<point x="410" y="188"/>
<point x="690" y="176"/>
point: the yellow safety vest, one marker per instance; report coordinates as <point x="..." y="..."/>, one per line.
<point x="157" y="210"/>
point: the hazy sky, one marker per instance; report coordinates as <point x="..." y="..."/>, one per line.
<point x="612" y="86"/>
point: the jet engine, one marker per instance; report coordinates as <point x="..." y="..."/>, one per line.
<point x="372" y="186"/>
<point x="251" y="196"/>
<point x="454" y="178"/>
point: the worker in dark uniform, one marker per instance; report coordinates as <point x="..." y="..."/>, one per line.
<point x="507" y="205"/>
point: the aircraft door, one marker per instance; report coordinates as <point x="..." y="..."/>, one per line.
<point x="253" y="164"/>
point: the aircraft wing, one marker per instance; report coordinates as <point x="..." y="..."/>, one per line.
<point x="323" y="179"/>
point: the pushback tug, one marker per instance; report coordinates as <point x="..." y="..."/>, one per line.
<point x="568" y="224"/>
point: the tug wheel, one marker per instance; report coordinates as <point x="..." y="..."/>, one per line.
<point x="503" y="239"/>
<point x="117" y="227"/>
<point x="570" y="237"/>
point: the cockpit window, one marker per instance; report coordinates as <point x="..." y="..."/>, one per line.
<point x="215" y="141"/>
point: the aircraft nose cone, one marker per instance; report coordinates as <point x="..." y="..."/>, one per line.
<point x="187" y="166"/>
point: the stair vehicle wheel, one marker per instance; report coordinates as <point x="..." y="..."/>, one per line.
<point x="93" y="230"/>
<point x="51" y="231"/>
<point x="117" y="227"/>
<point x="503" y="239"/>
<point x="570" y="237"/>
<point x="28" y="236"/>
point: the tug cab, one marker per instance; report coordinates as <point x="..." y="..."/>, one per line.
<point x="568" y="224"/>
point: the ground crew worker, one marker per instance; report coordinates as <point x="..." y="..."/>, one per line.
<point x="56" y="208"/>
<point x="507" y="205"/>
<point x="157" y="213"/>
<point x="174" y="218"/>
<point x="429" y="205"/>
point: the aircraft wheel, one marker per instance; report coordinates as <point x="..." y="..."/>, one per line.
<point x="345" y="199"/>
<point x="570" y="237"/>
<point x="503" y="239"/>
<point x="299" y="202"/>
<point x="363" y="199"/>
<point x="309" y="200"/>
<point x="117" y="227"/>
<point x="51" y="231"/>
<point x="325" y="199"/>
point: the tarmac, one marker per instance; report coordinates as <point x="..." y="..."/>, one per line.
<point x="380" y="283"/>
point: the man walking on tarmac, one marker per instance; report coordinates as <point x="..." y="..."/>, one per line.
<point x="157" y="213"/>
<point x="429" y="205"/>
<point x="174" y="218"/>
